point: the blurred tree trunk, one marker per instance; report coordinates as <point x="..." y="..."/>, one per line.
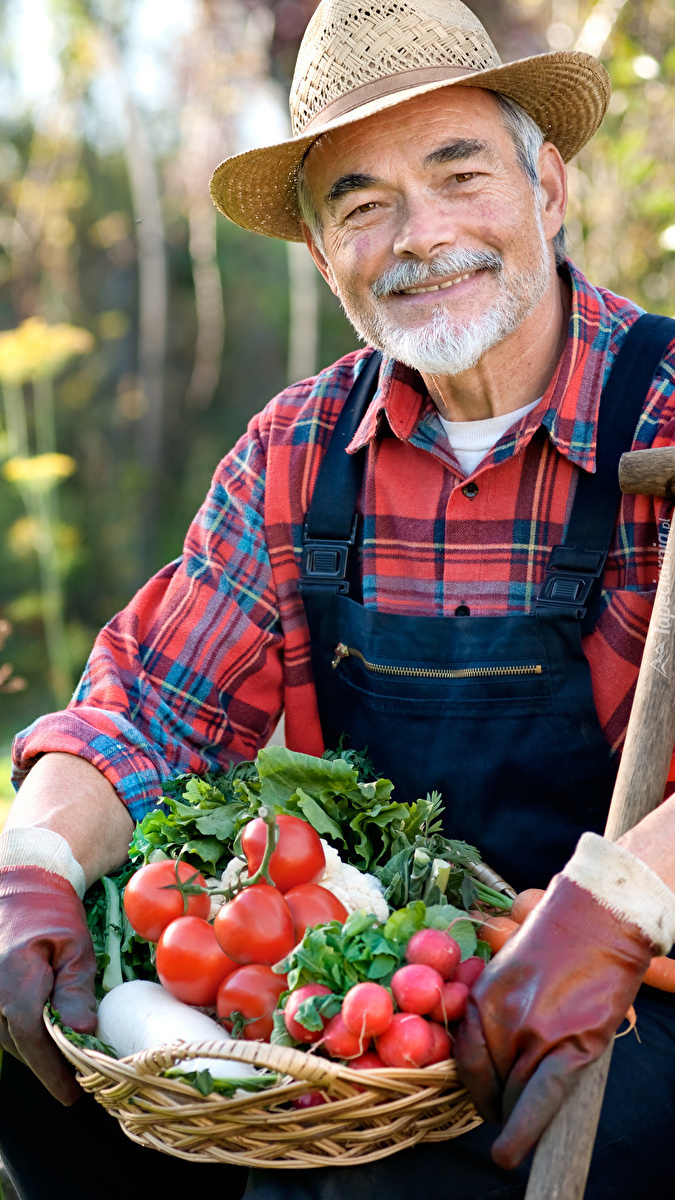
<point x="152" y="303"/>
<point x="303" y="320"/>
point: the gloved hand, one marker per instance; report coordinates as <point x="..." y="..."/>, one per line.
<point x="45" y="950"/>
<point x="557" y="992"/>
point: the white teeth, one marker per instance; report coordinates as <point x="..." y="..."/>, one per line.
<point x="439" y="287"/>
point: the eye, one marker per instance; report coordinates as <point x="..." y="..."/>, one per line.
<point x="464" y="176"/>
<point x="367" y="206"/>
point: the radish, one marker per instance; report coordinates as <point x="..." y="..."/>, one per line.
<point x="310" y="1100"/>
<point x="442" y="1048"/>
<point x="370" y="1061"/>
<point x="408" y="1042"/>
<point x="452" y="1004"/>
<point x="367" y="1009"/>
<point x="416" y="988"/>
<point x="340" y="1042"/>
<point x="434" y="948"/>
<point x="296" y="1030"/>
<point x="468" y="971"/>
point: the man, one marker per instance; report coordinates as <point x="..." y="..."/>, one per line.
<point x="434" y="592"/>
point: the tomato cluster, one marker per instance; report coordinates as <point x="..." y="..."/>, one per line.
<point x="229" y="964"/>
<point x="409" y="1023"/>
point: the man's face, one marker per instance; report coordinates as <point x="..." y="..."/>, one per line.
<point x="433" y="236"/>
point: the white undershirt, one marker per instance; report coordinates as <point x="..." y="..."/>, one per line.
<point x="472" y="440"/>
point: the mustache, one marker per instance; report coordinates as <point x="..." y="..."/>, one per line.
<point x="450" y="262"/>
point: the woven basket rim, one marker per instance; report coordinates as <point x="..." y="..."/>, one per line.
<point x="369" y="1115"/>
<point x="285" y="1060"/>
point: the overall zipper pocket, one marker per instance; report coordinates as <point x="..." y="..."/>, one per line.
<point x="342" y="651"/>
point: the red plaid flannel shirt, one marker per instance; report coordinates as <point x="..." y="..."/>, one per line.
<point x="196" y="670"/>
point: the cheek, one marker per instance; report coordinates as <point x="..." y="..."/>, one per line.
<point x="355" y="259"/>
<point x="498" y="222"/>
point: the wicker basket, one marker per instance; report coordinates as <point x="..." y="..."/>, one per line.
<point x="371" y="1114"/>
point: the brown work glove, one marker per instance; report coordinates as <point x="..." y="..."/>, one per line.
<point x="45" y="950"/>
<point x="557" y="992"/>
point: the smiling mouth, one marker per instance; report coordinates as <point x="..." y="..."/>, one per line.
<point x="437" y="287"/>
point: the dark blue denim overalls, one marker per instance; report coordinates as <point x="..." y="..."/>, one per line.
<point x="497" y="713"/>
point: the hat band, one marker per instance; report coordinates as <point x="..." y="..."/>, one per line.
<point x="387" y="86"/>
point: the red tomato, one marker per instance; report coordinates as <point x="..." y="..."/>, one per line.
<point x="254" y="992"/>
<point x="151" y="903"/>
<point x="298" y="858"/>
<point x="255" y="927"/>
<point x="311" y="904"/>
<point x="190" y="963"/>
<point x="296" y="1030"/>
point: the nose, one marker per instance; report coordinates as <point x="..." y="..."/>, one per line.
<point x="426" y="227"/>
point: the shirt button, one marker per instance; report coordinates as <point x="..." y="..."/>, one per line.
<point x="462" y="611"/>
<point x="470" y="490"/>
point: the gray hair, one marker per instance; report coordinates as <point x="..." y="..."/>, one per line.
<point x="527" y="139"/>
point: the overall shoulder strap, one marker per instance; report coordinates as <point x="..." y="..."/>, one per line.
<point x="330" y="525"/>
<point x="574" y="576"/>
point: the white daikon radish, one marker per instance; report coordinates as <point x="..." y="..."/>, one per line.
<point x="140" y="1015"/>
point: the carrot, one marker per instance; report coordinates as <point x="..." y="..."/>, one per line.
<point x="496" y="931"/>
<point x="661" y="974"/>
<point x="524" y="903"/>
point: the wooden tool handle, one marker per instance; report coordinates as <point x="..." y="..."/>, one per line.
<point x="563" y="1155"/>
<point x="648" y="472"/>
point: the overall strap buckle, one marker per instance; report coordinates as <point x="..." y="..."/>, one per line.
<point x="571" y="577"/>
<point x="325" y="561"/>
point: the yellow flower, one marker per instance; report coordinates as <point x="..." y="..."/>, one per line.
<point x="35" y="349"/>
<point x="39" y="473"/>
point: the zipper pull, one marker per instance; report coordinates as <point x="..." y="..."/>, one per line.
<point x="341" y="651"/>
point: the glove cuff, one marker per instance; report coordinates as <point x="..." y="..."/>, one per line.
<point x="34" y="847"/>
<point x="624" y="884"/>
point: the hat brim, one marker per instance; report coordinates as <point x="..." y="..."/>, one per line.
<point x="565" y="92"/>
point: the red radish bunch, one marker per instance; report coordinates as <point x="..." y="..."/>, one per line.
<point x="408" y="1020"/>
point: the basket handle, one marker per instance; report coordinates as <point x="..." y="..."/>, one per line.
<point x="282" y="1059"/>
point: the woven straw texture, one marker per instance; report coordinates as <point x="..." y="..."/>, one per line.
<point x="356" y="60"/>
<point x="371" y="1114"/>
<point x="347" y="45"/>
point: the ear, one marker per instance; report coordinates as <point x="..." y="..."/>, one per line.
<point x="319" y="258"/>
<point x="553" y="176"/>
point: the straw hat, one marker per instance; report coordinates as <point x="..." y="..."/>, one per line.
<point x="357" y="59"/>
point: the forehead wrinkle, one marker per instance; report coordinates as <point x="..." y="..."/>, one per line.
<point x="458" y="149"/>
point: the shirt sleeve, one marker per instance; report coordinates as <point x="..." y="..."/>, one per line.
<point x="188" y="677"/>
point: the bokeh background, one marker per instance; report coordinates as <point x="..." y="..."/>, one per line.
<point x="141" y="330"/>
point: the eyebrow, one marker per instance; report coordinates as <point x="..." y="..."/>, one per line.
<point x="460" y="148"/>
<point x="346" y="184"/>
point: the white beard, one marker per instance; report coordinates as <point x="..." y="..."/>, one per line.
<point x="446" y="345"/>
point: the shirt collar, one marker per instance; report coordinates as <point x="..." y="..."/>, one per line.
<point x="568" y="409"/>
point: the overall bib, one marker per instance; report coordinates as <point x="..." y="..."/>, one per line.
<point x="497" y="713"/>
